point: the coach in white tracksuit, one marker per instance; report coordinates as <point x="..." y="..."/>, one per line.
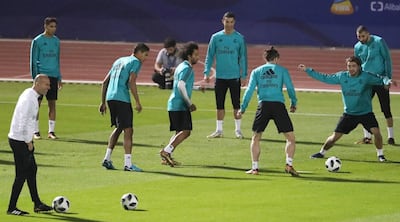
<point x="20" y="140"/>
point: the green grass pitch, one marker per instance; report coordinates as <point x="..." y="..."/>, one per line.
<point x="211" y="184"/>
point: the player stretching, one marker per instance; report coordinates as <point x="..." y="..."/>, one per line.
<point x="179" y="104"/>
<point x="356" y="87"/>
<point x="269" y="79"/>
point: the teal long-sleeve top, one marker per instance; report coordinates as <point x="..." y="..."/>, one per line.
<point x="356" y="90"/>
<point x="269" y="80"/>
<point x="375" y="56"/>
<point x="230" y="54"/>
<point x="45" y="56"/>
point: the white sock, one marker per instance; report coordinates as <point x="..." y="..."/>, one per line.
<point x="237" y="124"/>
<point x="37" y="126"/>
<point x="52" y="125"/>
<point x="289" y="161"/>
<point x="128" y="161"/>
<point x="322" y="151"/>
<point x="108" y="154"/>
<point x="220" y="124"/>
<point x="379" y="152"/>
<point x="169" y="148"/>
<point x="390" y="132"/>
<point x="367" y="134"/>
<point x="254" y="165"/>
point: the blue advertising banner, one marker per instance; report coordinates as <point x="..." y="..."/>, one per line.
<point x="325" y="23"/>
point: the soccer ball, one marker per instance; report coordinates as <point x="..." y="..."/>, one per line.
<point x="333" y="164"/>
<point x="129" y="201"/>
<point x="61" y="204"/>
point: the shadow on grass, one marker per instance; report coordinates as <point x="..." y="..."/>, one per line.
<point x="63" y="217"/>
<point x="96" y="142"/>
<point x="371" y="161"/>
<point x="305" y="142"/>
<point x="342" y="180"/>
<point x="200" y="176"/>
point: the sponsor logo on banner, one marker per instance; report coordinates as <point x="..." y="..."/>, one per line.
<point x="342" y="7"/>
<point x="381" y="6"/>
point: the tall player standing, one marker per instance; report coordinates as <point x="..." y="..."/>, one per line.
<point x="228" y="47"/>
<point x="45" y="59"/>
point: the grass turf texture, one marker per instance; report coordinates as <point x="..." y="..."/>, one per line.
<point x="211" y="184"/>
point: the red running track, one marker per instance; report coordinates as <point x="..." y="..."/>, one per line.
<point x="90" y="61"/>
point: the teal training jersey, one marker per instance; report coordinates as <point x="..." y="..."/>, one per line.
<point x="230" y="55"/>
<point x="45" y="56"/>
<point x="356" y="91"/>
<point x="118" y="87"/>
<point x="269" y="80"/>
<point x="375" y="56"/>
<point x="183" y="72"/>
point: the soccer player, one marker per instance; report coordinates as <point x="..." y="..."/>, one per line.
<point x="356" y="87"/>
<point x="228" y="48"/>
<point x="375" y="58"/>
<point x="166" y="62"/>
<point x="115" y="90"/>
<point x="180" y="105"/>
<point x="20" y="140"/>
<point x="45" y="59"/>
<point x="269" y="79"/>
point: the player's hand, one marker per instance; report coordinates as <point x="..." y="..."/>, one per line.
<point x="30" y="146"/>
<point x="243" y="82"/>
<point x="302" y="67"/>
<point x="102" y="108"/>
<point x="192" y="108"/>
<point x="394" y="82"/>
<point x="293" y="109"/>
<point x="138" y="107"/>
<point x="206" y="79"/>
<point x="239" y="114"/>
<point x="60" y="85"/>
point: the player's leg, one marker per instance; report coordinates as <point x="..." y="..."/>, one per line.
<point x="113" y="138"/>
<point x="345" y="125"/>
<point x="181" y="123"/>
<point x="19" y="149"/>
<point x="51" y="97"/>
<point x="384" y="100"/>
<point x="220" y="89"/>
<point x="260" y="122"/>
<point x="52" y="119"/>
<point x="234" y="89"/>
<point x="290" y="149"/>
<point x="255" y="152"/>
<point x="369" y="122"/>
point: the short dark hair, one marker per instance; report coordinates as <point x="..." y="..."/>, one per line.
<point x="361" y="28"/>
<point x="169" y="42"/>
<point x="271" y="54"/>
<point x="229" y="15"/>
<point x="188" y="50"/>
<point x="354" y="59"/>
<point x="49" y="20"/>
<point x="141" y="47"/>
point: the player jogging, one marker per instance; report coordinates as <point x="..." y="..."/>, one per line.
<point x="180" y="105"/>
